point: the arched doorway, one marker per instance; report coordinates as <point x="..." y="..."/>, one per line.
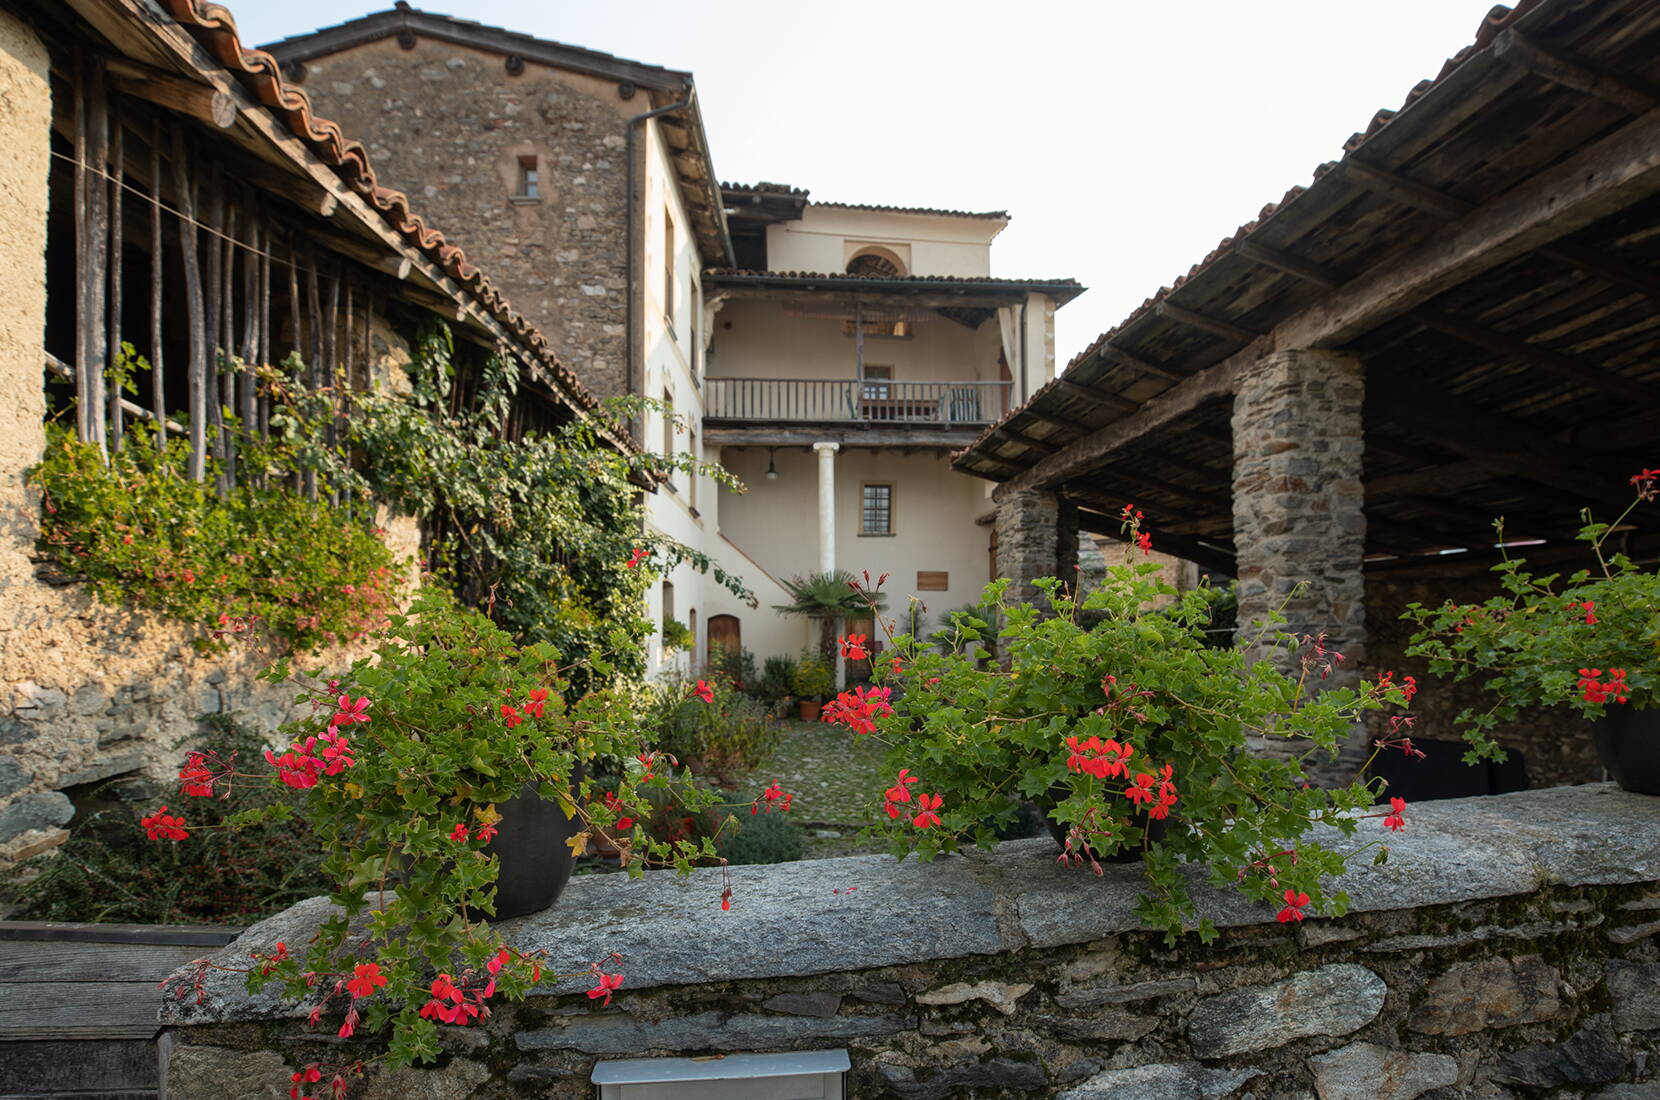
<point x="724" y="631"/>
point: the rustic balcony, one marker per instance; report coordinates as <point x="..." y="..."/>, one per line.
<point x="878" y="402"/>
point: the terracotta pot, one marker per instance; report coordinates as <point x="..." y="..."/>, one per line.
<point x="808" y="709"/>
<point x="535" y="859"/>
<point x="1628" y="744"/>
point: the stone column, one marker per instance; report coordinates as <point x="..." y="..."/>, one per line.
<point x="1037" y="536"/>
<point x="826" y="505"/>
<point x="1297" y="504"/>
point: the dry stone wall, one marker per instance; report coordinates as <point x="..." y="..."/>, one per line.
<point x="1507" y="949"/>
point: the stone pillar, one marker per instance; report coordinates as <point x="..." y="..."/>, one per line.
<point x="1037" y="536"/>
<point x="826" y="505"/>
<point x="1297" y="504"/>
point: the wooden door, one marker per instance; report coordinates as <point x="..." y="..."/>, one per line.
<point x="724" y="631"/>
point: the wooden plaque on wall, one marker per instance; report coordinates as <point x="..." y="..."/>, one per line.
<point x="932" y="580"/>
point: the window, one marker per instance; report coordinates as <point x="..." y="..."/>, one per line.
<point x="529" y="179"/>
<point x="668" y="603"/>
<point x="877" y="510"/>
<point x="876" y="383"/>
<point x="668" y="267"/>
<point x="694" y="476"/>
<point x="668" y="423"/>
<point x="898" y="330"/>
<point x="876" y="263"/>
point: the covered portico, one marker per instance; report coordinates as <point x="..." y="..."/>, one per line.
<point x="1458" y="320"/>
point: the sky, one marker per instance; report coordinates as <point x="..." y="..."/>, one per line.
<point x="1125" y="137"/>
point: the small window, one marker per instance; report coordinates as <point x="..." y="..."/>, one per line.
<point x="668" y="423"/>
<point x="668" y="267"/>
<point x="875" y="263"/>
<point x="530" y="178"/>
<point x="668" y="603"/>
<point x="876" y="383"/>
<point x="877" y="510"/>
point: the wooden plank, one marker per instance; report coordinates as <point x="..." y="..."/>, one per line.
<point x="1096" y="397"/>
<point x="47" y="1068"/>
<point x="79" y="1005"/>
<point x="1306" y="270"/>
<point x="1611" y="269"/>
<point x="1213" y="325"/>
<point x="195" y="308"/>
<point x="185" y="935"/>
<point x="1082" y="456"/>
<point x="1517" y="49"/>
<point x="35" y="962"/>
<point x="1135" y="362"/>
<point x="1406" y="192"/>
<point x="1548" y="359"/>
<point x="158" y="392"/>
<point x="1602" y="178"/>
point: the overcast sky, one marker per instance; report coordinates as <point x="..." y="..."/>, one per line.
<point x="1125" y="137"/>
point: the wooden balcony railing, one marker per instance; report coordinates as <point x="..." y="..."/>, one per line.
<point x="808" y="400"/>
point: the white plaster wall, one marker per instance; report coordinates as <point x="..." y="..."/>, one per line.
<point x="936" y="245"/>
<point x="935" y="509"/>
<point x="672" y="350"/>
<point x="755" y="338"/>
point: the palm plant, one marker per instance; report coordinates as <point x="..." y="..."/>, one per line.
<point x="830" y="598"/>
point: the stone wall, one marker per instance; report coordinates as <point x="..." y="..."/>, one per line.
<point x="1508" y="948"/>
<point x="1037" y="536"/>
<point x="88" y="692"/>
<point x="447" y="124"/>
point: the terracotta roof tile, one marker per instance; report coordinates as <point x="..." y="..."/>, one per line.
<point x="212" y="25"/>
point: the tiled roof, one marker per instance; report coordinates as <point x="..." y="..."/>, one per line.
<point x="1065" y="289"/>
<point x="1497" y="20"/>
<point x="212" y="25"/>
<point x="934" y="211"/>
<point x="766" y="188"/>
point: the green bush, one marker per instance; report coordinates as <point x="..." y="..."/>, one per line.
<point x="108" y="870"/>
<point x="777" y="679"/>
<point x="814" y="677"/>
<point x="732" y="734"/>
<point x="735" y="666"/>
<point x="260" y="560"/>
<point x="677" y="635"/>
<point x="762" y="838"/>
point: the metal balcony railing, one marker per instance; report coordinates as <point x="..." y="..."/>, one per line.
<point x="808" y="400"/>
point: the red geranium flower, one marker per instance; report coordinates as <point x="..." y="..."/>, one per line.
<point x="636" y="558"/>
<point x="608" y="984"/>
<point x="195" y="777"/>
<point x="704" y="691"/>
<point x="1295" y="903"/>
<point x="538" y="700"/>
<point x="510" y="714"/>
<point x="927" y="804"/>
<point x="853" y="647"/>
<point x="1394" y="820"/>
<point x="366" y="978"/>
<point x="162" y="825"/>
<point x="459" y="833"/>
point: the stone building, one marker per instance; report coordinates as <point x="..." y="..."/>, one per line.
<point x="1454" y="322"/>
<point x="120" y="134"/>
<point x="535" y="152"/>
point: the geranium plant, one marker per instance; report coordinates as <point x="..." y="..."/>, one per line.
<point x="1588" y="641"/>
<point x="1130" y="733"/>
<point x="407" y="760"/>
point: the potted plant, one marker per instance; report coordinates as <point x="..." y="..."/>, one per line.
<point x="1590" y="642"/>
<point x="449" y="781"/>
<point x="677" y="636"/>
<point x="813" y="680"/>
<point x="1130" y="733"/>
<point x="828" y="599"/>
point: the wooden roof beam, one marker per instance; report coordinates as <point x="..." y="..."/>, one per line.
<point x="1213" y="325"/>
<point x="1092" y="451"/>
<point x="203" y="102"/>
<point x="1307" y="270"/>
<point x="1135" y="362"/>
<point x="1170" y="488"/>
<point x="1572" y="72"/>
<point x="1611" y="269"/>
<point x="1397" y="188"/>
<point x="1098" y="397"/>
<point x="1574" y="369"/>
<point x="1029" y="442"/>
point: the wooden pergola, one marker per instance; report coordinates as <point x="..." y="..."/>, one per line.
<point x="1490" y="253"/>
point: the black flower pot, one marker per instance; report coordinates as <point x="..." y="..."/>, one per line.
<point x="1628" y="744"/>
<point x="530" y="844"/>
<point x="1157" y="829"/>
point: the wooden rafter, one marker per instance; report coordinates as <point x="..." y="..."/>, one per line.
<point x="1213" y="325"/>
<point x="1397" y="188"/>
<point x="1136" y="362"/>
<point x="1096" y="396"/>
<point x="1611" y="269"/>
<point x="1572" y="72"/>
<point x="1274" y="258"/>
<point x="1556" y="362"/>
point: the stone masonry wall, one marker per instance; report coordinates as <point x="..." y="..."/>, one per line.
<point x="1507" y="949"/>
<point x="447" y="124"/>
<point x="1037" y="536"/>
<point x="88" y="692"/>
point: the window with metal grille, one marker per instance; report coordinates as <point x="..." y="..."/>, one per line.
<point x="877" y="510"/>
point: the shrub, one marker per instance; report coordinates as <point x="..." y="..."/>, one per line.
<point x="762" y="838"/>
<point x="814" y="676"/>
<point x="677" y="635"/>
<point x="264" y="560"/>
<point x="735" y="666"/>
<point x="109" y="871"/>
<point x="733" y="733"/>
<point x="777" y="679"/>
